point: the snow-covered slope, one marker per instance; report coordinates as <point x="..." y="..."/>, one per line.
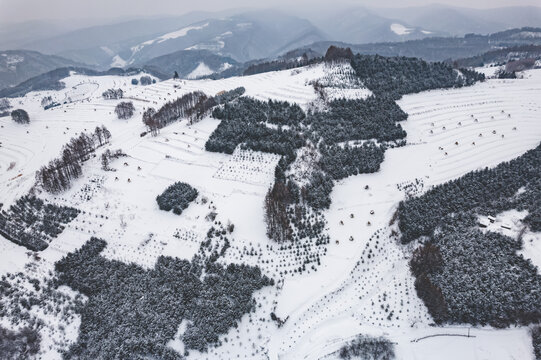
<point x="400" y="29"/>
<point x="239" y="37"/>
<point x="17" y="66"/>
<point x="351" y="292"/>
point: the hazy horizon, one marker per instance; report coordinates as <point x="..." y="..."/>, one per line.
<point x="92" y="13"/>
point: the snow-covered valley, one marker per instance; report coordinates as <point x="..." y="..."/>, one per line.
<point x="362" y="285"/>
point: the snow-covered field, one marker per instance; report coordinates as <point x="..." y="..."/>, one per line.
<point x="437" y="121"/>
<point x="363" y="285"/>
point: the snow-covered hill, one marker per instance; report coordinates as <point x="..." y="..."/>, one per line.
<point x="363" y="284"/>
<point x="240" y="37"/>
<point x="17" y="66"/>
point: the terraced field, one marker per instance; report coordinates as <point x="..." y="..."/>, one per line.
<point x="362" y="285"/>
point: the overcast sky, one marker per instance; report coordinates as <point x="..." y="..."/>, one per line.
<point x="22" y="10"/>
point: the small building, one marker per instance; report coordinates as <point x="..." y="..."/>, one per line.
<point x="506" y="226"/>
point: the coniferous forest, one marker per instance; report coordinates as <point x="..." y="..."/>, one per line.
<point x="464" y="275"/>
<point x="487" y="191"/>
<point x="33" y="223"/>
<point x="397" y="76"/>
<point x="283" y="128"/>
<point x="149" y="305"/>
<point x="176" y="197"/>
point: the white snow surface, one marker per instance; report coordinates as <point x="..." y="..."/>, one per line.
<point x="118" y="61"/>
<point x="171" y="35"/>
<point x="180" y="33"/>
<point x="201" y="70"/>
<point x="400" y="29"/>
<point x="225" y="66"/>
<point x="325" y="308"/>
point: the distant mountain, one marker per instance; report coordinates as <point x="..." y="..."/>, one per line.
<point x="17" y="66"/>
<point x="460" y="21"/>
<point x="241" y="36"/>
<point x="360" y="25"/>
<point x="502" y="56"/>
<point x="190" y="64"/>
<point x="99" y="45"/>
<point x="440" y="48"/>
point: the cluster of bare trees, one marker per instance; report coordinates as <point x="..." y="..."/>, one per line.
<point x="59" y="173"/>
<point x="113" y="94"/>
<point x="150" y="121"/>
<point x="193" y="106"/>
<point x="124" y="110"/>
<point x="276" y="201"/>
<point x="108" y="155"/>
<point x="4" y="105"/>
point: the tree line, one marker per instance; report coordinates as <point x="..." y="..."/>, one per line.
<point x="194" y="106"/>
<point x="111" y="94"/>
<point x="276" y="65"/>
<point x="487" y="191"/>
<point x="60" y="172"/>
<point x="191" y="105"/>
<point x="398" y="75"/>
<point x="109" y="155"/>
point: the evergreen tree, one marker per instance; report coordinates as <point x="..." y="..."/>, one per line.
<point x="20" y="116"/>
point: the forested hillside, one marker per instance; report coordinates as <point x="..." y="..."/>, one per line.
<point x="505" y="288"/>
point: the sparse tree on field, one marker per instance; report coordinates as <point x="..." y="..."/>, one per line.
<point x="124" y="110"/>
